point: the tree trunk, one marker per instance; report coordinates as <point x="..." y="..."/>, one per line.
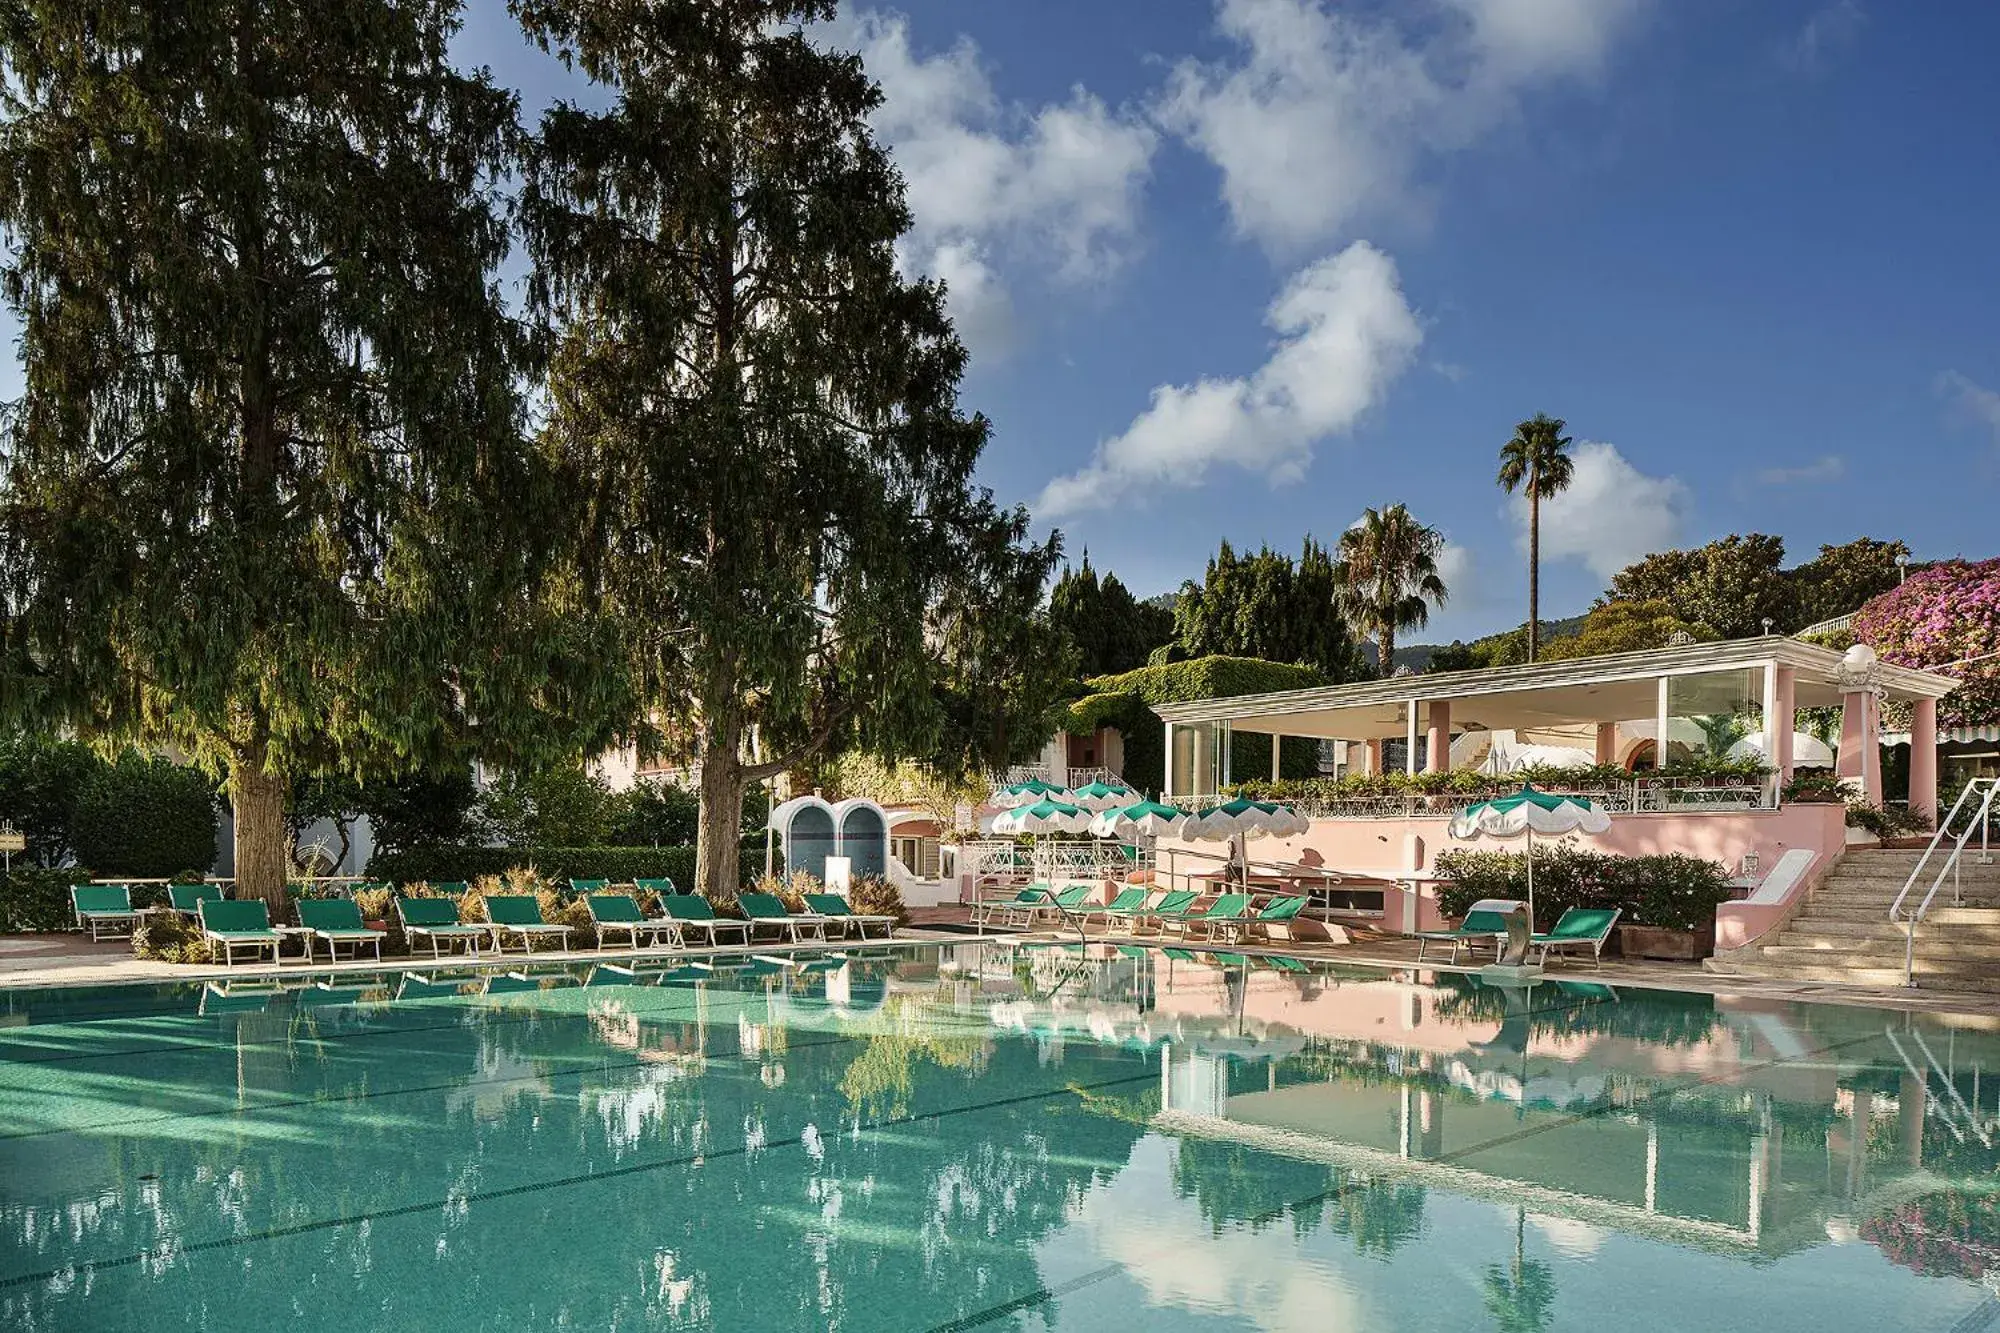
<point x="1385" y="651"/>
<point x="719" y="827"/>
<point x="1534" y="568"/>
<point x="263" y="840"/>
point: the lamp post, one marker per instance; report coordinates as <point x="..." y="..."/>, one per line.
<point x="1902" y="567"/>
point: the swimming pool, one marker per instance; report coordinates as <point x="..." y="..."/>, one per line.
<point x="980" y="1136"/>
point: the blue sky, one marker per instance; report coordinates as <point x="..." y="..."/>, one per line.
<point x="1239" y="268"/>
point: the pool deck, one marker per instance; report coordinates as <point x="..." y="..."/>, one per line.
<point x="32" y="961"/>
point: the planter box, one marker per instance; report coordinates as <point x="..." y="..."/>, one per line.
<point x="1659" y="942"/>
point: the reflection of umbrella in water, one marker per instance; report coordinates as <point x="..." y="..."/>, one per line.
<point x="1520" y="1300"/>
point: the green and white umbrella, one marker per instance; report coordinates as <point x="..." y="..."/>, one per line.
<point x="1026" y="793"/>
<point x="1100" y="796"/>
<point x="1044" y="816"/>
<point x="1246" y="818"/>
<point x="1148" y="819"/>
<point x="1529" y="812"/>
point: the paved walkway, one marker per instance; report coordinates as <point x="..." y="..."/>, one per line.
<point x="74" y="960"/>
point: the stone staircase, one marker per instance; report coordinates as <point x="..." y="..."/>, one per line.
<point x="1843" y="932"/>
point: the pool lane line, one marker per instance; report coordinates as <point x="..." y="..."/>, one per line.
<point x="1042" y="1295"/>
<point x="293" y="1103"/>
<point x="95" y="1266"/>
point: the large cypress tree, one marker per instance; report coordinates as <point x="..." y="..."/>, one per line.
<point x="761" y="411"/>
<point x="264" y="499"/>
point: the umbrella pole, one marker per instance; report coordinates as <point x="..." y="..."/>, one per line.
<point x="1531" y="883"/>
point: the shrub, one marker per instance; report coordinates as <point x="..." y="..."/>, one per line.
<point x="40" y="781"/>
<point x="556" y="865"/>
<point x="1478" y="786"/>
<point x="32" y="898"/>
<point x="146" y="818"/>
<point x="872" y="895"/>
<point x="1944" y="615"/>
<point x="1892" y="821"/>
<point x="1814" y="788"/>
<point x="169" y="937"/>
<point x="1675" y="891"/>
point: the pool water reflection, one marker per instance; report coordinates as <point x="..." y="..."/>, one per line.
<point x="982" y="1136"/>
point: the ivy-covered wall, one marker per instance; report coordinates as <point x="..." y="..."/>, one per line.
<point x="1125" y="703"/>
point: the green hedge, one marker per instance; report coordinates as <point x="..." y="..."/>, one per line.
<point x="621" y="865"/>
<point x="1676" y="891"/>
<point x="145" y="817"/>
<point x="1125" y="702"/>
<point x="35" y="899"/>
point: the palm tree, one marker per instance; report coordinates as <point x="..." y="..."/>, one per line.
<point x="1387" y="579"/>
<point x="1538" y="456"/>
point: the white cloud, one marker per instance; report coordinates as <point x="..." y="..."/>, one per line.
<point x="1828" y="33"/>
<point x="990" y="179"/>
<point x="1611" y="514"/>
<point x="1347" y="333"/>
<point x="1827" y="467"/>
<point x="1972" y="402"/>
<point x="1329" y="118"/>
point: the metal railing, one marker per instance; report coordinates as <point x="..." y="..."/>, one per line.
<point x="1643" y="795"/>
<point x="1976" y="803"/>
<point x="1073" y="775"/>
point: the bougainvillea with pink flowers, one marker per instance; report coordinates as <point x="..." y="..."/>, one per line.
<point x="1944" y="614"/>
<point x="1951" y="1234"/>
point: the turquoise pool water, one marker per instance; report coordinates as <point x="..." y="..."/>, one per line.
<point x="984" y="1137"/>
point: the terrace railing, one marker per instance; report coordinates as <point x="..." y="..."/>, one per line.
<point x="1073" y="775"/>
<point x="1642" y="795"/>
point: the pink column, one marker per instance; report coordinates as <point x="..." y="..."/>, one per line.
<point x="1374" y="758"/>
<point x="1785" y="708"/>
<point x="1607" y="742"/>
<point x="1923" y="758"/>
<point x="1437" y="746"/>
<point x="1860" y="746"/>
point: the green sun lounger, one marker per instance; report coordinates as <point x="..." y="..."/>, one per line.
<point x="519" y="914"/>
<point x="1225" y="916"/>
<point x="338" y="922"/>
<point x="767" y="909"/>
<point x="583" y="888"/>
<point x="985" y="909"/>
<point x="615" y="913"/>
<point x="1128" y="904"/>
<point x="237" y="925"/>
<point x="182" y="899"/>
<point x="101" y="907"/>
<point x="1059" y="907"/>
<point x="691" y="911"/>
<point x="1277" y="912"/>
<point x="835" y="908"/>
<point x="1579" y="929"/>
<point x="1477" y="928"/>
<point x="659" y="888"/>
<point x="1170" y="908"/>
<point x="436" y="919"/>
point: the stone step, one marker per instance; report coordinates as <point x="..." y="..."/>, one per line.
<point x="1862" y="952"/>
<point x="1875" y="928"/>
<point x="1866" y="960"/>
<point x="1886" y="978"/>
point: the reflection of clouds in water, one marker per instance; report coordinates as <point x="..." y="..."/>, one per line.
<point x="1177" y="1260"/>
<point x="1578" y="1240"/>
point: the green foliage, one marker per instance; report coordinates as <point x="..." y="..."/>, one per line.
<point x="41" y="780"/>
<point x="1730" y="586"/>
<point x="557" y="865"/>
<point x="33" y="898"/>
<point x="1674" y="891"/>
<point x="1124" y="702"/>
<point x="1111" y="629"/>
<point x="1813" y="788"/>
<point x="1621" y="627"/>
<point x="265" y="497"/>
<point x="1885" y="821"/>
<point x="169" y="937"/>
<point x="1537" y="463"/>
<point x="1478" y="786"/>
<point x="421" y="808"/>
<point x="1944" y="614"/>
<point x="145" y="817"/>
<point x="1386" y="580"/>
<point x="872" y="895"/>
<point x="777" y="506"/>
<point x="907" y="783"/>
<point x="564" y="806"/>
<point x="1269" y="607"/>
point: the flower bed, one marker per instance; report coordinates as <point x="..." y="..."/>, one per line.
<point x="1673" y="892"/>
